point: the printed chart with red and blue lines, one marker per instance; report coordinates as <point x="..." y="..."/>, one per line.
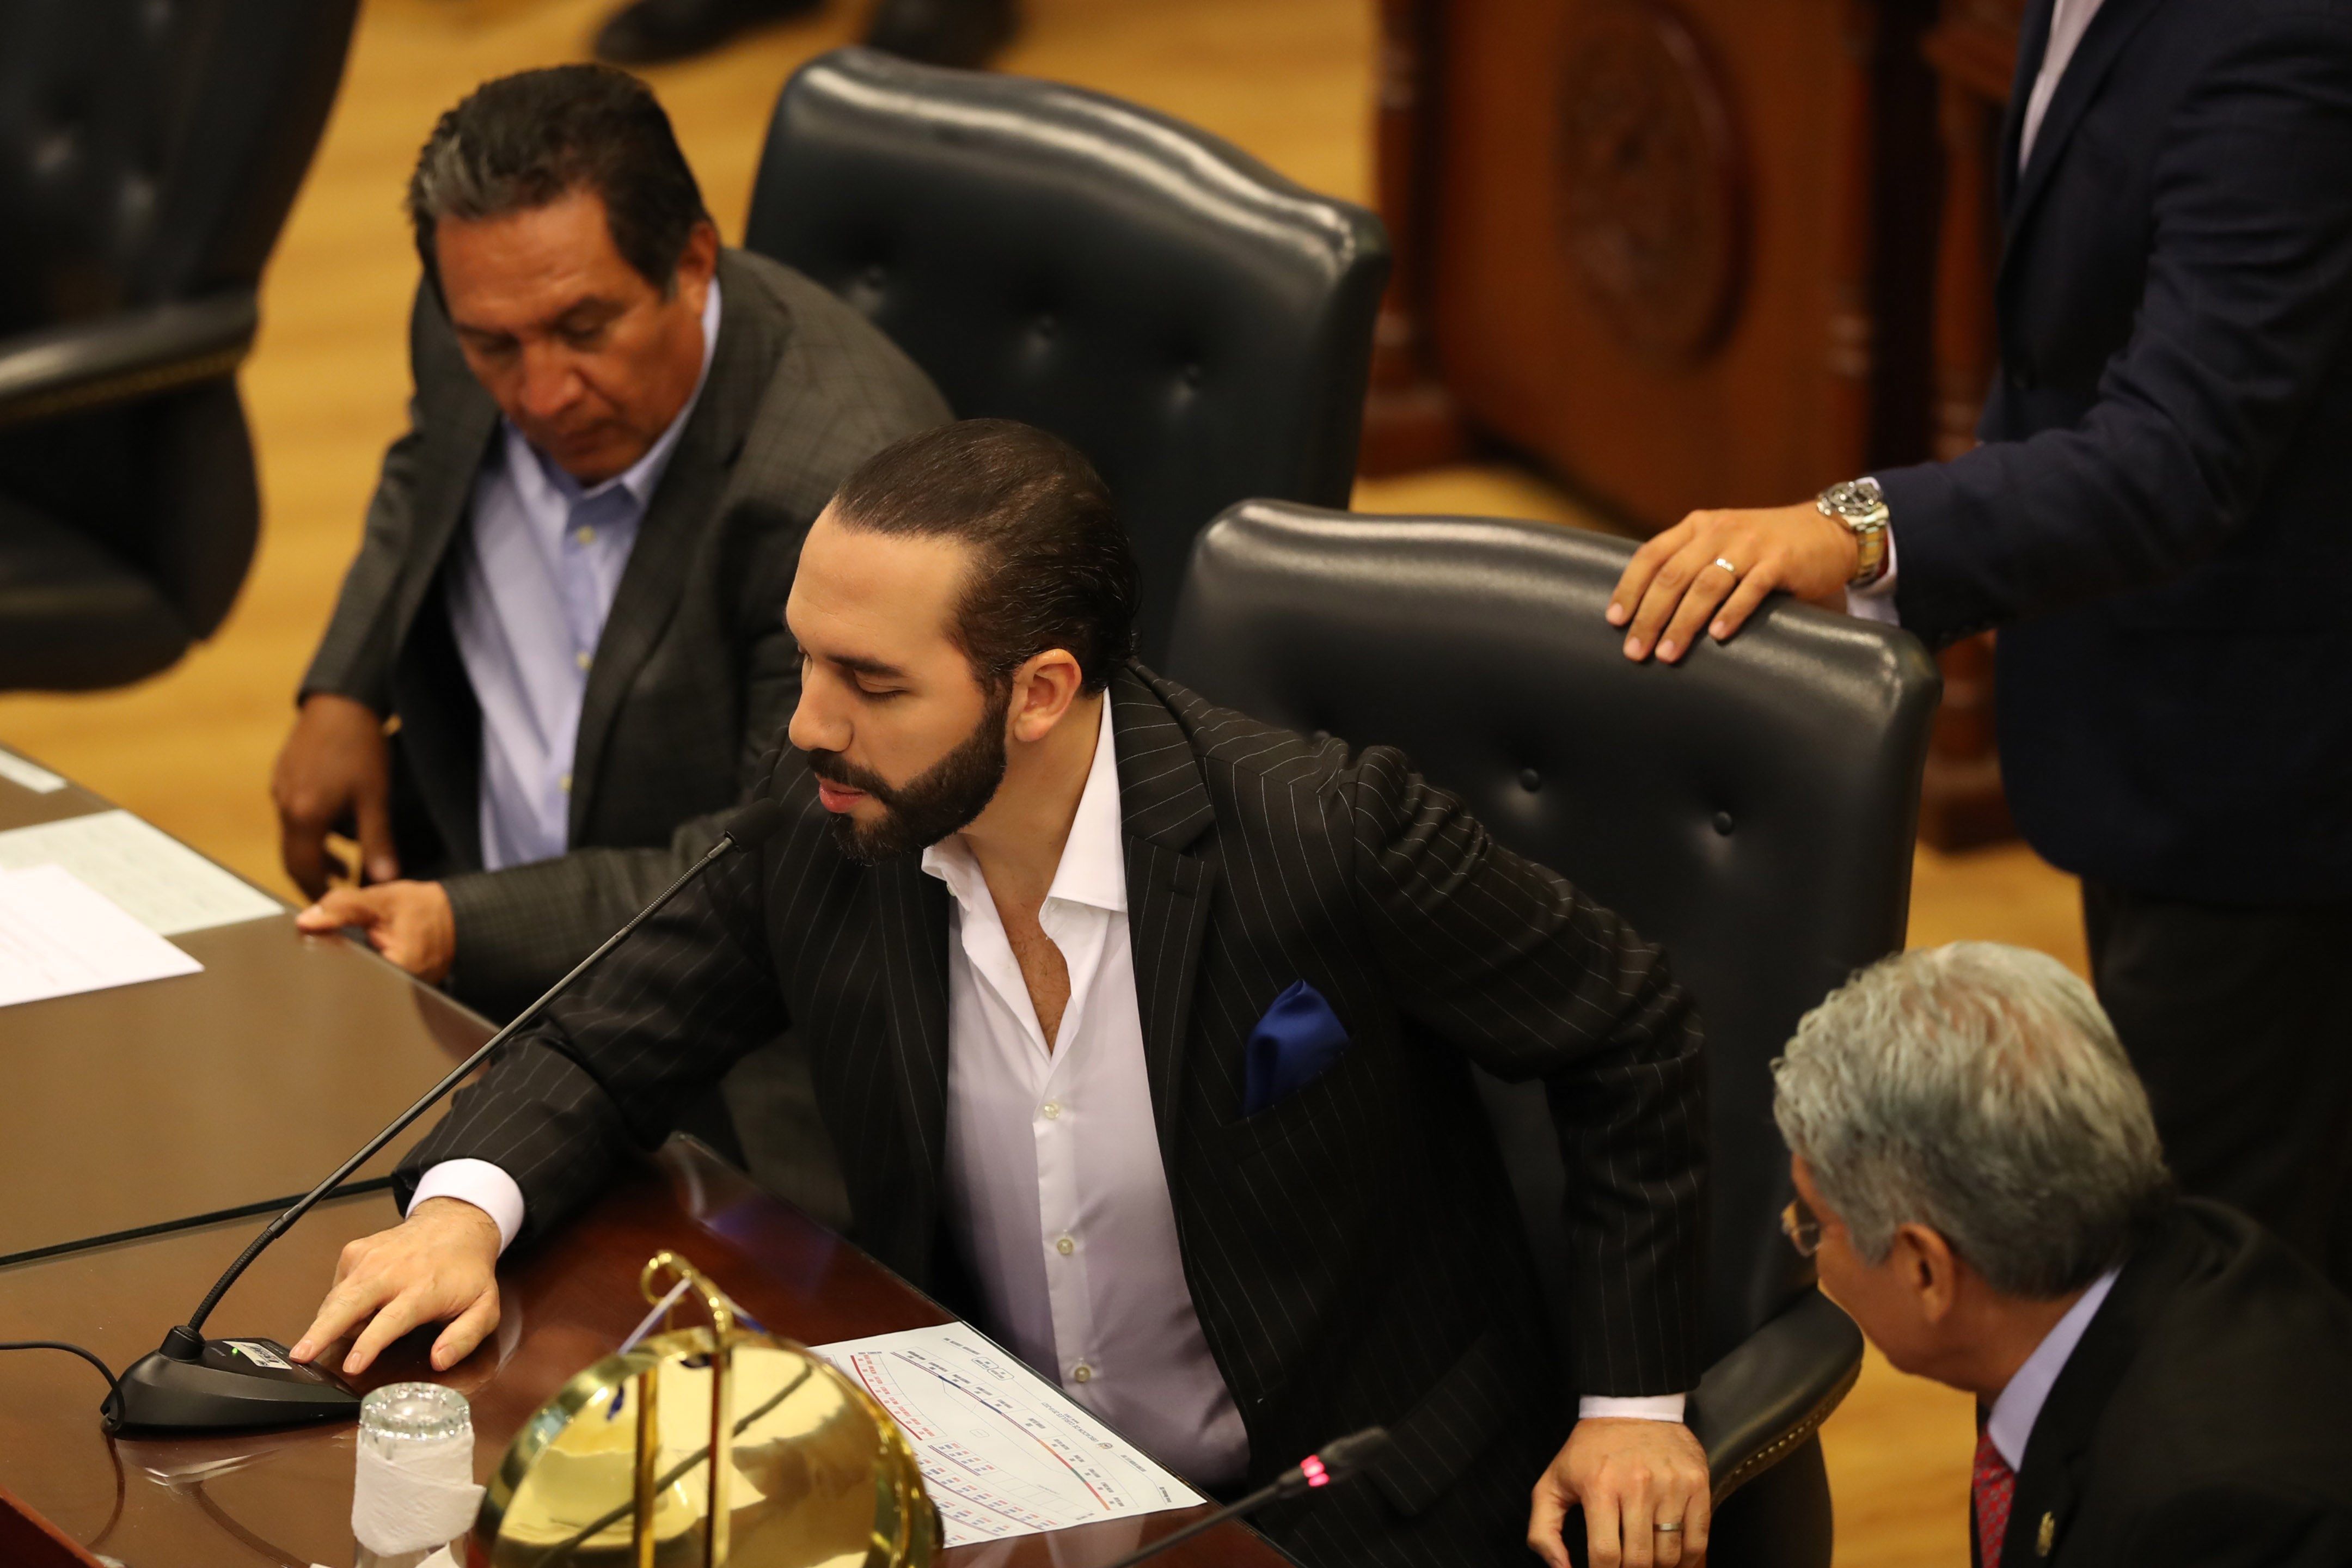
<point x="1003" y="1451"/>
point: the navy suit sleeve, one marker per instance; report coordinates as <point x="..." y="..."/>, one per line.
<point x="2244" y="311"/>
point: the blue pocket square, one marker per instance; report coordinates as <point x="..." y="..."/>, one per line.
<point x="1297" y="1038"/>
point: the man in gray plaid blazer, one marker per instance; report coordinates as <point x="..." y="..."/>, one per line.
<point x="567" y="603"/>
<point x="1144" y="1031"/>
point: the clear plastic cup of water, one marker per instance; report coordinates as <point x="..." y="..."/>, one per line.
<point x="420" y="1430"/>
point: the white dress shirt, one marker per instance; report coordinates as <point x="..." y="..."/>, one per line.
<point x="2069" y="20"/>
<point x="528" y="596"/>
<point x="2010" y="1425"/>
<point x="1055" y="1185"/>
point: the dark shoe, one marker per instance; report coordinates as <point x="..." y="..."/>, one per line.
<point x="648" y="32"/>
<point x="960" y="33"/>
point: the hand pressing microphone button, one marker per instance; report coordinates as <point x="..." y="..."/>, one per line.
<point x="193" y="1383"/>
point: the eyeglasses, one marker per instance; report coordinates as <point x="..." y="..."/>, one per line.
<point x="1803" y="1229"/>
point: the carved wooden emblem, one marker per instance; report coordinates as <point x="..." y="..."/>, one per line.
<point x="1655" y="220"/>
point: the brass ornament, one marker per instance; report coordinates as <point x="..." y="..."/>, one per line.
<point x="2043" y="1537"/>
<point x="613" y="1472"/>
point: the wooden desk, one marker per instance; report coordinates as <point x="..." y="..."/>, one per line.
<point x="184" y="1097"/>
<point x="285" y="1498"/>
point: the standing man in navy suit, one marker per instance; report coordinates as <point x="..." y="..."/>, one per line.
<point x="2160" y="521"/>
<point x="1144" y="1032"/>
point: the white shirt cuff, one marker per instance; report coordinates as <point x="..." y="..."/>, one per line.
<point x="1645" y="1407"/>
<point x="1876" y="603"/>
<point x="482" y="1184"/>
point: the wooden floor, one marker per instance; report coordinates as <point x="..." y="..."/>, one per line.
<point x="1290" y="80"/>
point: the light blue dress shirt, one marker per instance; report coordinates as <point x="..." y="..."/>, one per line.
<point x="2020" y="1404"/>
<point x="528" y="594"/>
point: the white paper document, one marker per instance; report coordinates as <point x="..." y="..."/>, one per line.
<point x="58" y="937"/>
<point x="1003" y="1451"/>
<point x="28" y="774"/>
<point x="159" y="880"/>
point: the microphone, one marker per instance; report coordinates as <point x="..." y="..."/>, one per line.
<point x="194" y="1383"/>
<point x="1335" y="1462"/>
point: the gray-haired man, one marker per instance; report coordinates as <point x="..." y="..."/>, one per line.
<point x="2161" y="1382"/>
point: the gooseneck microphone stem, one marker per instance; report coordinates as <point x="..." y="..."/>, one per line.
<point x="1250" y="1504"/>
<point x="1335" y="1462"/>
<point x="194" y="1328"/>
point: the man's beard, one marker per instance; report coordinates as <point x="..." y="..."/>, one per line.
<point x="942" y="799"/>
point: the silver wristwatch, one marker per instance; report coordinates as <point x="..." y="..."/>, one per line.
<point x="1861" y="506"/>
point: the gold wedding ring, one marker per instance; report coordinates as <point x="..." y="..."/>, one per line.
<point x="1728" y="566"/>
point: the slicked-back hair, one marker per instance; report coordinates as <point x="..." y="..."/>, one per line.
<point x="1052" y="566"/>
<point x="525" y="141"/>
<point x="1978" y="1089"/>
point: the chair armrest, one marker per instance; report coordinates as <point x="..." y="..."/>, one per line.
<point x="1759" y="1403"/>
<point x="137" y="353"/>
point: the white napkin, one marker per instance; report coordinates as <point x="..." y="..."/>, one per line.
<point x="427" y="1500"/>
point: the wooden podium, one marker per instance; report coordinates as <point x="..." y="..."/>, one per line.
<point x="1691" y="253"/>
<point x="1679" y="250"/>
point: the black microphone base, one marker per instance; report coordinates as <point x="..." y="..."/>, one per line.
<point x="222" y="1385"/>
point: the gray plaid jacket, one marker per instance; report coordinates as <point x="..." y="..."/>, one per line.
<point x="695" y="673"/>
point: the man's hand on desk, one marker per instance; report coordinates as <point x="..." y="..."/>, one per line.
<point x="408" y="923"/>
<point x="1673" y="588"/>
<point x="334" y="768"/>
<point x="441" y="1263"/>
<point x="1630" y="1476"/>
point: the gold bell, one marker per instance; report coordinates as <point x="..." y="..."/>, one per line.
<point x="616" y="1471"/>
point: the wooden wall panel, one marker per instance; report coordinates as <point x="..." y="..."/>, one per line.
<point x="1649" y="239"/>
<point x="1638" y="222"/>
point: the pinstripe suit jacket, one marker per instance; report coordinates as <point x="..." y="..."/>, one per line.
<point x="695" y="673"/>
<point x="1352" y="1250"/>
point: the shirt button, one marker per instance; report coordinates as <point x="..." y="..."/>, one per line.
<point x="583" y="660"/>
<point x="1066" y="1247"/>
<point x="565" y="784"/>
<point x="1082" y="1373"/>
<point x="1051" y="1109"/>
<point x="584" y="534"/>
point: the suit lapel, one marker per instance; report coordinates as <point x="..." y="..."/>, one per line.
<point x="430" y="691"/>
<point x="2103" y="44"/>
<point x="913" y="907"/>
<point x="750" y="334"/>
<point x="1163" y="808"/>
<point x="2033" y="43"/>
<point x="2049" y="1483"/>
<point x="444" y="486"/>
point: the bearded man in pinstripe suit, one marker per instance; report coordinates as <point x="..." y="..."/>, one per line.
<point x="1144" y="1031"/>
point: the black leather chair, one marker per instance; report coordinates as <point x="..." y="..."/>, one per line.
<point x="149" y="149"/>
<point x="1196" y="324"/>
<point x="1752" y="810"/>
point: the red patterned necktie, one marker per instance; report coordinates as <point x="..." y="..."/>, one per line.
<point x="1995" y="1487"/>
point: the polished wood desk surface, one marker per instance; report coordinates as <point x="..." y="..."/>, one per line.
<point x="285" y="1498"/>
<point x="188" y="1097"/>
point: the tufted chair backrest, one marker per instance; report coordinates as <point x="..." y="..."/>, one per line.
<point x="1752" y="810"/>
<point x="1196" y="324"/>
<point x="149" y="149"/>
